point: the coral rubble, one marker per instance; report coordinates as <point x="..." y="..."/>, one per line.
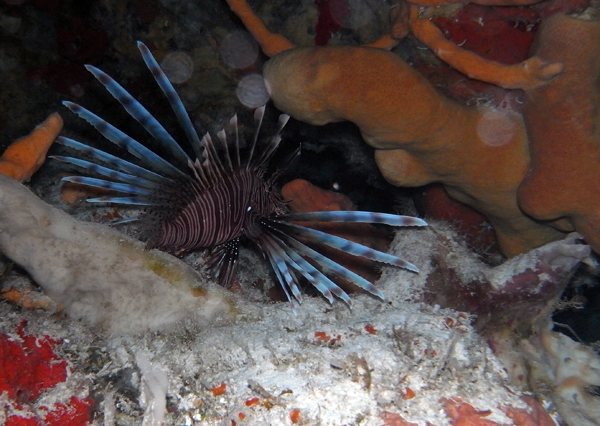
<point x="379" y="362"/>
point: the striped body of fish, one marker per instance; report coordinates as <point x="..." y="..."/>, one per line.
<point x="218" y="198"/>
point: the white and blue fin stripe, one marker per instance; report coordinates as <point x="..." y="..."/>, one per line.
<point x="105" y="171"/>
<point x="141" y="114"/>
<point x="280" y="261"/>
<point x="112" y="186"/>
<point x="119" y="138"/>
<point x="125" y="220"/>
<point x="354" y="217"/>
<point x="133" y="201"/>
<point x="111" y="160"/>
<point x="347" y="246"/>
<point x="321" y="282"/>
<point x="337" y="269"/>
<point x="328" y="264"/>
<point x="170" y="93"/>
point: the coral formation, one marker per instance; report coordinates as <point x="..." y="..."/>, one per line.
<point x="27" y="154"/>
<point x="563" y="121"/>
<point x="529" y="74"/>
<point x="335" y="365"/>
<point x="512" y="304"/>
<point x="396" y="336"/>
<point x="29" y="365"/>
<point x="154" y="390"/>
<point x="30" y="299"/>
<point x="510" y="301"/>
<point x="463" y="413"/>
<point x="419" y="135"/>
<point x="571" y="369"/>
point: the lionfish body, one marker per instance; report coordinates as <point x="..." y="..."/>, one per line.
<point x="218" y="198"/>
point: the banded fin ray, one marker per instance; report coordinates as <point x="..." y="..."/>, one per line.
<point x="347" y="246"/>
<point x="327" y="263"/>
<point x="133" y="201"/>
<point x="283" y="279"/>
<point x="105" y="184"/>
<point x="125" y="220"/>
<point x="222" y="136"/>
<point x="355" y="217"/>
<point x="111" y="160"/>
<point x="273" y="144"/>
<point x="234" y="124"/>
<point x="202" y="178"/>
<point x="279" y="261"/>
<point x="259" y="115"/>
<point x="320" y="281"/>
<point x="105" y="171"/>
<point x="170" y="94"/>
<point x="212" y="160"/>
<point x="284" y="164"/>
<point x="119" y="138"/>
<point x="141" y="114"/>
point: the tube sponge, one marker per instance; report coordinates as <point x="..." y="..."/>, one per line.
<point x="98" y="274"/>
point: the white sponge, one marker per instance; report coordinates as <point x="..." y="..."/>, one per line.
<point x="99" y="274"/>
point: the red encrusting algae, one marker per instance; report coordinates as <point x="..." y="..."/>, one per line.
<point x="29" y="367"/>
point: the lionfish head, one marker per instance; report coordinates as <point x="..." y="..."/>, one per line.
<point x="211" y="195"/>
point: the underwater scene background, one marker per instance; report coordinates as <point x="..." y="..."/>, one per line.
<point x="497" y="327"/>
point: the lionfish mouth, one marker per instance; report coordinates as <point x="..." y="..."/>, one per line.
<point x="220" y="197"/>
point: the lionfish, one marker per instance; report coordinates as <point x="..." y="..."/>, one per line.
<point x="218" y="198"/>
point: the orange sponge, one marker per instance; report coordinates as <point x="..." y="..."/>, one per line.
<point x="27" y="154"/>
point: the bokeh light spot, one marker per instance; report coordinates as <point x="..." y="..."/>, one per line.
<point x="239" y="50"/>
<point x="496" y="128"/>
<point x="251" y="91"/>
<point x="178" y="67"/>
<point x="351" y="13"/>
